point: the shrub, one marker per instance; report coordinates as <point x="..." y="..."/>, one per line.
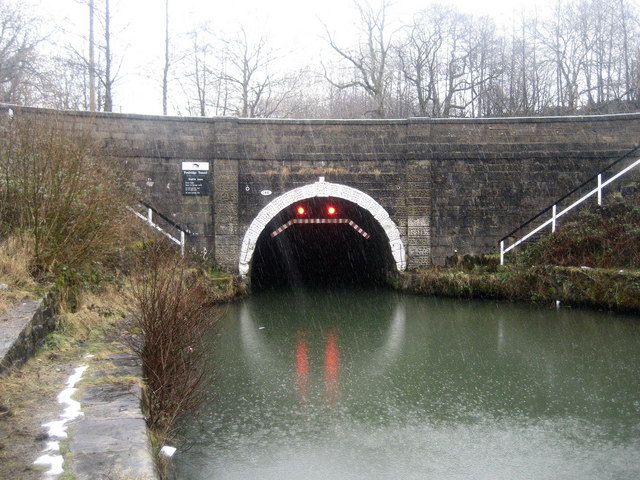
<point x="173" y="310"/>
<point x="605" y="237"/>
<point x="60" y="189"/>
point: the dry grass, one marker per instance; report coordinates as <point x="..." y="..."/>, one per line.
<point x="98" y="312"/>
<point x="285" y="172"/>
<point x="323" y="171"/>
<point x="598" y="288"/>
<point x="599" y="237"/>
<point x="15" y="259"/>
<point x="27" y="400"/>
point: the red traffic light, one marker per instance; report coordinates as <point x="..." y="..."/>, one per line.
<point x="301" y="210"/>
<point x="331" y="210"/>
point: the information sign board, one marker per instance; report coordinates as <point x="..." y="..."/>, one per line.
<point x="195" y="178"/>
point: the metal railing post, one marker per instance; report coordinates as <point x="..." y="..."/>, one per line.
<point x="553" y="219"/>
<point x="599" y="189"/>
<point x="180" y="240"/>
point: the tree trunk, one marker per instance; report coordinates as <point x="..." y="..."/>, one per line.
<point x="92" y="60"/>
<point x="108" y="81"/>
<point x="165" y="71"/>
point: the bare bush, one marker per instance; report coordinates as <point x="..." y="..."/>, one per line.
<point x="64" y="192"/>
<point x="173" y="311"/>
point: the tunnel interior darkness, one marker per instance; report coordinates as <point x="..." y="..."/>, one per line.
<point x="308" y="254"/>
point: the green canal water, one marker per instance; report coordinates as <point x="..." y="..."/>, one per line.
<point x="373" y="384"/>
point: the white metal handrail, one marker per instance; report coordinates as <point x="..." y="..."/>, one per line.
<point x="148" y="219"/>
<point x="555" y="215"/>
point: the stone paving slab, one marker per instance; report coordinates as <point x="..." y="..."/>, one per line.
<point x="112" y="401"/>
<point x="110" y="441"/>
<point x="114" y="466"/>
<point x="108" y="435"/>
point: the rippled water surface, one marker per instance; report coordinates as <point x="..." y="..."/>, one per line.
<point x="372" y="384"/>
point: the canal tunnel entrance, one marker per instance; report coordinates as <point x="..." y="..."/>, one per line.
<point x="321" y="233"/>
<point x="321" y="241"/>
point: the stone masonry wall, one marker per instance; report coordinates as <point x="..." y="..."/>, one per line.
<point x="24" y="328"/>
<point x="448" y="184"/>
<point x="496" y="174"/>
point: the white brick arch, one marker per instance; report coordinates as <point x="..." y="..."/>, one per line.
<point x="321" y="189"/>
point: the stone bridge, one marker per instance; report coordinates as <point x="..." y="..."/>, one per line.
<point x="424" y="188"/>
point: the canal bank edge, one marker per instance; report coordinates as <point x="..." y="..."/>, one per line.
<point x="111" y="439"/>
<point x="24" y="328"/>
<point x="605" y="289"/>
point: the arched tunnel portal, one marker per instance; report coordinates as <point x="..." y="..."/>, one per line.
<point x="322" y="233"/>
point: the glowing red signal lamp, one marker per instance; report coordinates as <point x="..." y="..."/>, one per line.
<point x="300" y="210"/>
<point x="331" y="210"/>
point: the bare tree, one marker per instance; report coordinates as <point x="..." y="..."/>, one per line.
<point x="63" y="83"/>
<point x="420" y="58"/>
<point x="246" y="67"/>
<point x="626" y="57"/>
<point x="203" y="71"/>
<point x="449" y="60"/>
<point x="481" y="52"/>
<point x="19" y="40"/>
<point x="606" y="36"/>
<point x="568" y="52"/>
<point x="527" y="78"/>
<point x="370" y="58"/>
<point x="101" y="69"/>
<point x="108" y="78"/>
<point x="246" y="63"/>
<point x="443" y="64"/>
<point x="198" y="80"/>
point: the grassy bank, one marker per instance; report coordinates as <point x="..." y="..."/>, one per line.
<point x="591" y="261"/>
<point x="591" y="287"/>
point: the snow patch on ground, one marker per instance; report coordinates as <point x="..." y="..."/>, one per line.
<point x="57" y="429"/>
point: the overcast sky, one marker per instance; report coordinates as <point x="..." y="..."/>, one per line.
<point x="294" y="27"/>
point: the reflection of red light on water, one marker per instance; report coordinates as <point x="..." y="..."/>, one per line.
<point x="302" y="367"/>
<point x="332" y="368"/>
